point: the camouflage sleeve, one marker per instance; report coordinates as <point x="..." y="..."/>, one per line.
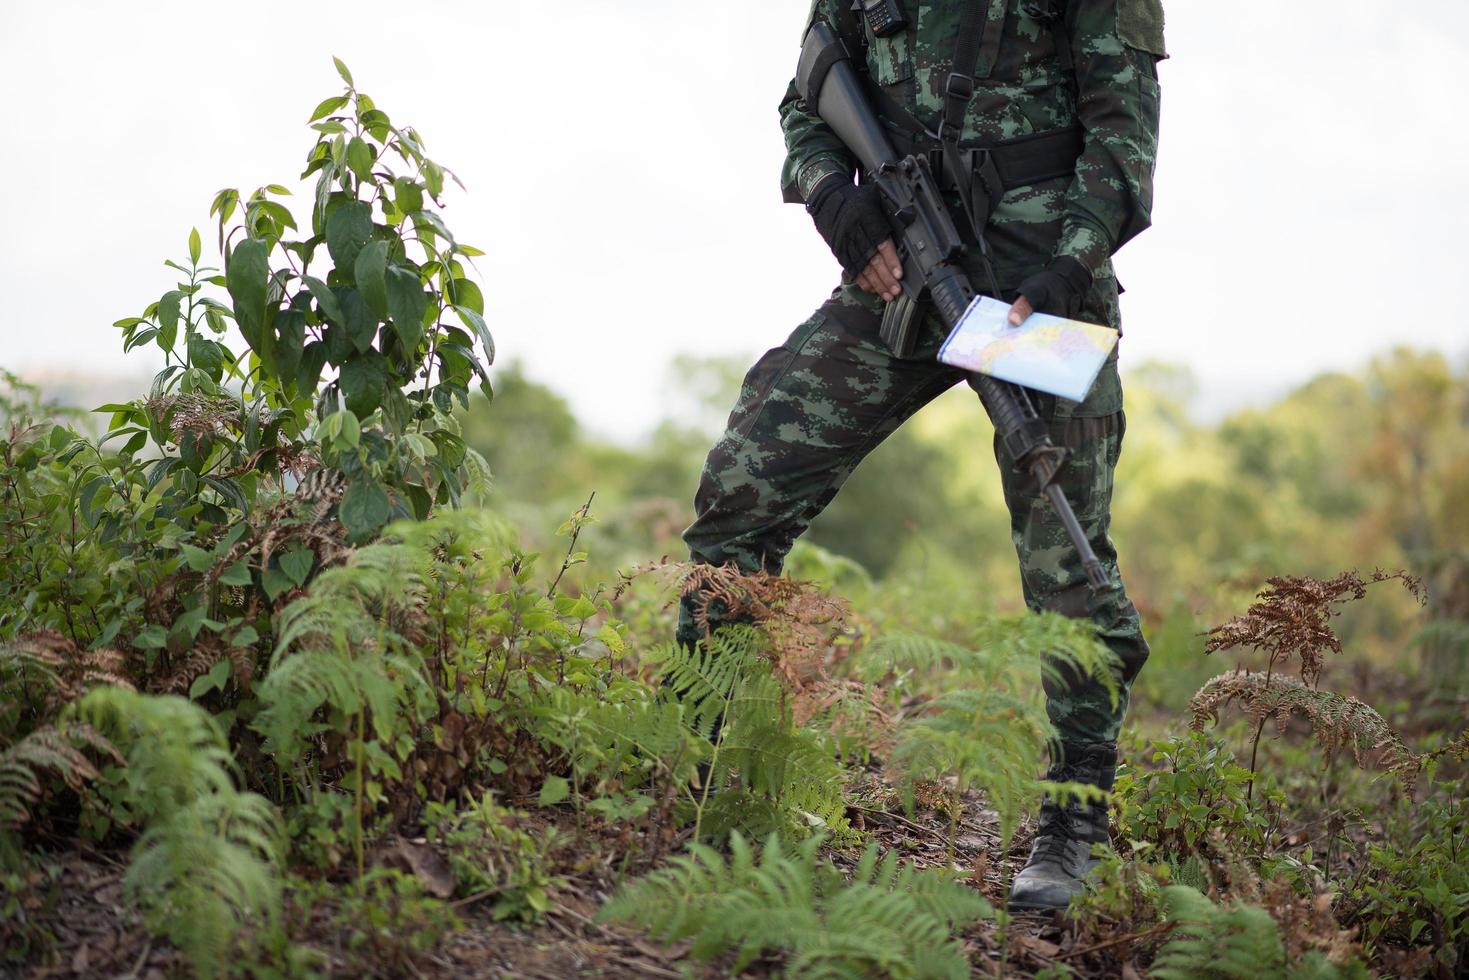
<point x="1116" y="45"/>
<point x="812" y="149"/>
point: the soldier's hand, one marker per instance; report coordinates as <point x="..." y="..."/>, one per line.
<point x="1020" y="311"/>
<point x="1058" y="289"/>
<point x="882" y="273"/>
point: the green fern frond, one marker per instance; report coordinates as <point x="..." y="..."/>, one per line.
<point x="202" y="872"/>
<point x="989" y="739"/>
<point x="889" y="920"/>
<point x="205" y="865"/>
<point x="1003" y="650"/>
<point x="1237" y="942"/>
<point x="175" y="750"/>
<point x="703" y="676"/>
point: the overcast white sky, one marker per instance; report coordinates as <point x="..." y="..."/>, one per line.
<point x="622" y="158"/>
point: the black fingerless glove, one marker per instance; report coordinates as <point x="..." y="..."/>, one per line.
<point x="1059" y="288"/>
<point x="851" y="219"/>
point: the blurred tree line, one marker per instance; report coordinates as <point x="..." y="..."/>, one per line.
<point x="1346" y="471"/>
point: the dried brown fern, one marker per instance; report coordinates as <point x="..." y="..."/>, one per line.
<point x="208" y="651"/>
<point x="808" y="631"/>
<point x="1293" y="618"/>
<point x="1337" y="721"/>
<point x="57" y="750"/>
<point x="67" y="670"/>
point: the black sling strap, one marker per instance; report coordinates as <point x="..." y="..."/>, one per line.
<point x="957" y="94"/>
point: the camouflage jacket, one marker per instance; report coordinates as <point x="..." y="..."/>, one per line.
<point x="1021" y="88"/>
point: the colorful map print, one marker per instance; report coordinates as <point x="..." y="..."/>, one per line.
<point x="1047" y="353"/>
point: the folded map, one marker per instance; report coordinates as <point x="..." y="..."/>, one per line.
<point x="1047" y="353"/>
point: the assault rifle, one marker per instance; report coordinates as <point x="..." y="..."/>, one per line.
<point x="930" y="246"/>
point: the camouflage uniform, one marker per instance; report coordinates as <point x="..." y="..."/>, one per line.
<point x="811" y="409"/>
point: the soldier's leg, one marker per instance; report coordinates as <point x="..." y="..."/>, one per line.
<point x="808" y="412"/>
<point x="1081" y="708"/>
<point x="1052" y="577"/>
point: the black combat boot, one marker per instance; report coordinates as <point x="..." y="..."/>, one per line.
<point x="1061" y="856"/>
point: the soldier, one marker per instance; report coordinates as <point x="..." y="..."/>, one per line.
<point x="1065" y="102"/>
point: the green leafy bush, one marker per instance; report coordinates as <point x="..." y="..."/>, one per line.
<point x="1193" y="804"/>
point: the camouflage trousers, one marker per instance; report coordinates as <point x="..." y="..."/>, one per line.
<point x="812" y="408"/>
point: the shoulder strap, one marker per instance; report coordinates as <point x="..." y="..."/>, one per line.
<point x="960" y="87"/>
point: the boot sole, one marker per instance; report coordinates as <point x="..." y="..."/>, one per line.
<point x="1026" y="907"/>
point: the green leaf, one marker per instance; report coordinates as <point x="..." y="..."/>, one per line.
<point x="360" y="159"/>
<point x="348" y="229"/>
<point x="150" y="637"/>
<point x="463" y="292"/>
<point x="554" y="790"/>
<point x="406" y="302"/>
<point x="407" y="195"/>
<point x="325" y="299"/>
<point x="328" y="106"/>
<point x="363" y="378"/>
<point x="342" y="70"/>
<point x="274" y="583"/>
<point x="213" y="680"/>
<point x="297" y="563"/>
<point x="290" y="338"/>
<point x="370" y="271"/>
<point x="360" y="322"/>
<point x="206" y="355"/>
<point x="196" y="247"/>
<point x="168" y="310"/>
<point x="364" y="507"/>
<point x="197" y="559"/>
<point x="247" y="276"/>
<point x="475" y="322"/>
<point x="236" y="574"/>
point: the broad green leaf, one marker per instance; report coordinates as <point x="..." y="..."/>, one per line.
<point x="247" y="276"/>
<point x="236" y="574"/>
<point x="463" y="292"/>
<point x="308" y="368"/>
<point x="360" y="159"/>
<point x="198" y="559"/>
<point x="342" y="70"/>
<point x="554" y="790"/>
<point x="297" y="563"/>
<point x="475" y="322"/>
<point x="348" y="229"/>
<point x="290" y="329"/>
<point x="206" y="355"/>
<point x="348" y="429"/>
<point x="407" y="195"/>
<point x="325" y="299"/>
<point x="213" y="680"/>
<point x="370" y="271"/>
<point x="274" y="583"/>
<point x="364" y="507"/>
<point x="328" y="106"/>
<point x="407" y="303"/>
<point x="362" y="379"/>
<point x="196" y="247"/>
<point x="360" y="322"/>
<point x="168" y="310"/>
